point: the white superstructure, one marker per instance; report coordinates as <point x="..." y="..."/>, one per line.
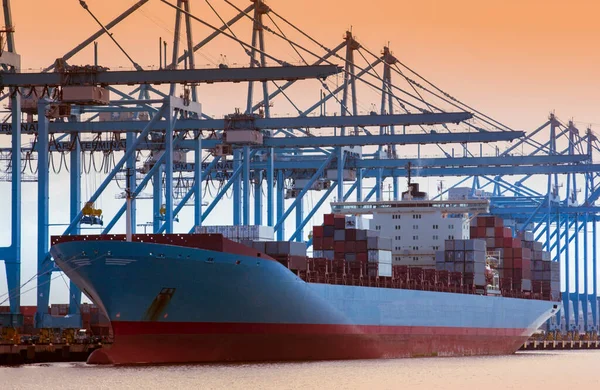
<point x="418" y="228"/>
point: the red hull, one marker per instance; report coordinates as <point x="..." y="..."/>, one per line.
<point x="160" y="342"/>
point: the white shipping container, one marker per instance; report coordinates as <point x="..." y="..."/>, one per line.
<point x="357" y="222"/>
<point x="385" y="270"/>
<point x="266" y="232"/>
<point x="380" y="256"/>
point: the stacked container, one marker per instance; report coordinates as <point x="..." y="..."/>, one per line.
<point x="289" y="253"/>
<point x="546" y="276"/>
<point x="348" y="239"/>
<point x="466" y="257"/>
<point x="517" y="253"/>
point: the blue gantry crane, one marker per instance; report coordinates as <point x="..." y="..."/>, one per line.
<point x="249" y="153"/>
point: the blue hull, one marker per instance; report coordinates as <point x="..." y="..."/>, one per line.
<point x="156" y="292"/>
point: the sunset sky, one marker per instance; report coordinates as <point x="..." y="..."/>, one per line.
<point x="514" y="60"/>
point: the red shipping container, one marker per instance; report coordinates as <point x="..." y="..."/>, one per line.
<point x="526" y="253"/>
<point x="518" y="263"/>
<point x="481" y="232"/>
<point x="481" y="222"/>
<point x="361" y="246"/>
<point x="499" y="232"/>
<point x="318" y="231"/>
<point x="508" y="252"/>
<point x="327" y="243"/>
<point x="517" y="274"/>
<point x="499" y="242"/>
<point x="494" y="222"/>
<point x="507" y="232"/>
<point x="362" y="257"/>
<point x="473" y="232"/>
<point x="318" y="243"/>
<point x="518" y="252"/>
<point x="350" y="246"/>
<point x="517" y="243"/>
<point x="508" y="263"/>
<point x="508" y="242"/>
<point x="328" y="220"/>
<point x="340" y="246"/>
<point x="339" y="222"/>
<point x="351" y="234"/>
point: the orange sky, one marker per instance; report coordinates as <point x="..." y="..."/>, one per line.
<point x="516" y="60"/>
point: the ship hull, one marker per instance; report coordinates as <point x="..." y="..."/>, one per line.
<point x="172" y="304"/>
<point x="140" y="342"/>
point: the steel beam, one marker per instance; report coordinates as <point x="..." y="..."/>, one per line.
<point x="12" y="256"/>
<point x="167" y="76"/>
<point x="44" y="265"/>
<point x="303" y="121"/>
<point x="75" y="206"/>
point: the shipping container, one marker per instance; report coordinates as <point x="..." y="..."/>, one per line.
<point x="475" y="245"/>
<point x="328" y="220"/>
<point x="380" y="256"/>
<point x="361" y="235"/>
<point x="328" y="243"/>
<point x="440" y="256"/>
<point x="477" y="268"/>
<point x="357" y="222"/>
<point x="382" y="243"/>
<point x="350" y="256"/>
<point x="351" y="234"/>
<point x="318" y="231"/>
<point x="328" y="231"/>
<point x="475" y="257"/>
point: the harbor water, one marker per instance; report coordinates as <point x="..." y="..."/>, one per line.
<point x="524" y="370"/>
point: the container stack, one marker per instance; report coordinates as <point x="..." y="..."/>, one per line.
<point x="289" y="253"/>
<point x="546" y="276"/>
<point x="239" y="233"/>
<point x="517" y="253"/>
<point x="348" y="239"/>
<point x="466" y="257"/>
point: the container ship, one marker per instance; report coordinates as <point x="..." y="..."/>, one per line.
<point x="410" y="278"/>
